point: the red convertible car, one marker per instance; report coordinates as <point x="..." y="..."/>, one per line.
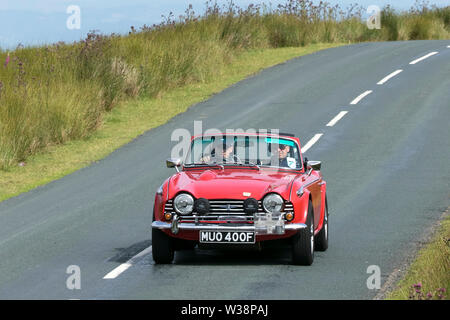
<point x="241" y="189"/>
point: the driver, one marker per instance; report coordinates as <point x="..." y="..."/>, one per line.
<point x="227" y="152"/>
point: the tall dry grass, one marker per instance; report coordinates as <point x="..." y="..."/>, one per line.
<point x="49" y="95"/>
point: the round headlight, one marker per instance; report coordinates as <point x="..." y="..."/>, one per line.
<point x="273" y="203"/>
<point x="183" y="203"/>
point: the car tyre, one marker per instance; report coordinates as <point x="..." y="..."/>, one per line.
<point x="162" y="247"/>
<point x="303" y="241"/>
<point x="321" y="241"/>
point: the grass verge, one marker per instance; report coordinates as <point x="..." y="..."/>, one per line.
<point x="429" y="275"/>
<point x="132" y="118"/>
<point x="50" y="95"/>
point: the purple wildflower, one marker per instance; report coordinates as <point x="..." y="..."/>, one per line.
<point x="7" y="60"/>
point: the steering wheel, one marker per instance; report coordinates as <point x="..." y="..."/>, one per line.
<point x="237" y="158"/>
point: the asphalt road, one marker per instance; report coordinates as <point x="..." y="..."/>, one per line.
<point x="386" y="163"/>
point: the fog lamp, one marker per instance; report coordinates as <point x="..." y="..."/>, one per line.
<point x="250" y="205"/>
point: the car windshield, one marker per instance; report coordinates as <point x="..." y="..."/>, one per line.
<point x="244" y="150"/>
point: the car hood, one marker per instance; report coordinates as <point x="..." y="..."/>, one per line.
<point x="231" y="183"/>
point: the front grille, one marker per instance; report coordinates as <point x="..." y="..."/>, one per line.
<point x="230" y="206"/>
<point x="224" y="210"/>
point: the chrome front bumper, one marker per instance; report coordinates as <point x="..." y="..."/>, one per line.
<point x="222" y="227"/>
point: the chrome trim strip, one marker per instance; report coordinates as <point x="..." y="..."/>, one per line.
<point x="216" y="216"/>
<point x="168" y="185"/>
<point x="206" y="226"/>
<point x="299" y="192"/>
<point x="292" y="186"/>
<point x="311" y="182"/>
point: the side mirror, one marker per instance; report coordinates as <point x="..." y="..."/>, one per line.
<point x="173" y="163"/>
<point x="315" y="165"/>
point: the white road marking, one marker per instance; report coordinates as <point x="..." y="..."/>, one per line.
<point x="361" y="96"/>
<point x="124" y="266"/>
<point x="337" y="118"/>
<point x="424" y="57"/>
<point x="310" y="143"/>
<point x="393" y="74"/>
<point x="448" y="46"/>
<point x="117" y="271"/>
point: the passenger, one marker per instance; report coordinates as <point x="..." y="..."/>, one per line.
<point x="283" y="151"/>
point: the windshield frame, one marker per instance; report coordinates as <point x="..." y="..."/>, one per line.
<point x="241" y="165"/>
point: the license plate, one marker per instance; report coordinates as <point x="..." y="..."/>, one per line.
<point x="227" y="237"/>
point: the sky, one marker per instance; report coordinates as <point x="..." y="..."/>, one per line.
<point x="38" y="22"/>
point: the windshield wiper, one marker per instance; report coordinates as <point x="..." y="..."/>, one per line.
<point x="204" y="164"/>
<point x="251" y="164"/>
<point x="254" y="164"/>
<point x="223" y="164"/>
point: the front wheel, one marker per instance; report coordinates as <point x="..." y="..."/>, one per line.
<point x="162" y="247"/>
<point x="303" y="241"/>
